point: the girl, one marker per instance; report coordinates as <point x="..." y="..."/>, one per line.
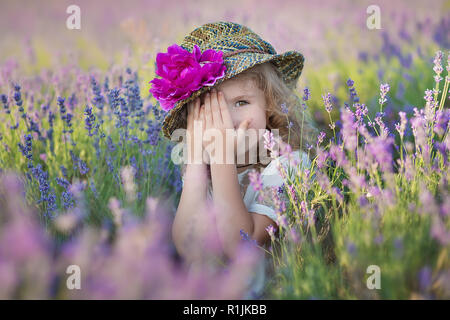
<point x="249" y="97"/>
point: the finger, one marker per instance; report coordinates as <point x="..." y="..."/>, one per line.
<point x="225" y="113"/>
<point x="245" y="124"/>
<point x="202" y="118"/>
<point x="189" y="111"/>
<point x="189" y="118"/>
<point x="208" y="111"/>
<point x="216" y="113"/>
<point x="201" y="115"/>
<point x="197" y="108"/>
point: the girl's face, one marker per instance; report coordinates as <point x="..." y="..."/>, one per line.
<point x="245" y="101"/>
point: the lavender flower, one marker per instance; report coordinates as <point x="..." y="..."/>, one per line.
<point x="338" y="194"/>
<point x="292" y="192"/>
<point x="110" y="144"/>
<point x="255" y="180"/>
<point x="282" y="221"/>
<point x="63" y="182"/>
<point x="352" y="90"/>
<point x="110" y="164"/>
<point x="93" y="188"/>
<point x="51" y="118"/>
<point x="63" y="170"/>
<point x="384" y="131"/>
<point x="279" y="200"/>
<point x="269" y="141"/>
<point x="90" y="121"/>
<point x="349" y="129"/>
<point x="18" y="97"/>
<point x="338" y="155"/>
<point x="62" y="108"/>
<point x="327" y="101"/>
<point x="442" y="120"/>
<point x="400" y="127"/>
<point x="246" y="237"/>
<point x="306" y="94"/>
<point x="271" y="230"/>
<point x="83" y="167"/>
<point x="418" y="125"/>
<point x="351" y="248"/>
<point x="384" y="89"/>
<point x="322" y="156"/>
<point x="27" y="149"/>
<point x="67" y="199"/>
<point x="72" y="101"/>
<point x="320" y="137"/>
<point x="438" y="66"/>
<point x="378" y="239"/>
<point x="425" y="277"/>
<point x="47" y="194"/>
<point x="360" y="112"/>
<point x="68" y="119"/>
<point x="4" y="100"/>
<point x="294" y="236"/>
<point x="98" y="101"/>
<point x="429" y="96"/>
<point x="398" y="245"/>
<point x="350" y="82"/>
<point x="380" y="151"/>
<point x="440" y="232"/>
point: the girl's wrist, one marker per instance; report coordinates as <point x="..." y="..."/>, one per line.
<point x="194" y="170"/>
<point x="196" y="178"/>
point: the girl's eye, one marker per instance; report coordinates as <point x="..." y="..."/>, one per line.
<point x="241" y="101"/>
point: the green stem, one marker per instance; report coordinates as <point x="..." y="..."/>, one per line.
<point x="334" y="131"/>
<point x="444" y="93"/>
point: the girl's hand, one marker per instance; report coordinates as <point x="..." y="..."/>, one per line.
<point x="218" y="123"/>
<point x="193" y="135"/>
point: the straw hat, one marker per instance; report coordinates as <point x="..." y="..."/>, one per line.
<point x="242" y="49"/>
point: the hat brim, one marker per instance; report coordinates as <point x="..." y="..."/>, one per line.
<point x="290" y="65"/>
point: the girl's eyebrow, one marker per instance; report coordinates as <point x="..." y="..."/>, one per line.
<point x="243" y="96"/>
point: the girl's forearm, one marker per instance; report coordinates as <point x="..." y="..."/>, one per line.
<point x="189" y="224"/>
<point x="232" y="215"/>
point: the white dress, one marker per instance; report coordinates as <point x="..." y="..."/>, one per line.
<point x="270" y="177"/>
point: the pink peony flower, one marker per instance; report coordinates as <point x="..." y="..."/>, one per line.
<point x="183" y="73"/>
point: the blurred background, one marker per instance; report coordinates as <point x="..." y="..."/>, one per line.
<point x="332" y="35"/>
<point x="82" y="134"/>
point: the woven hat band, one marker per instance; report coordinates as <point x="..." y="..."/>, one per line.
<point x="231" y="53"/>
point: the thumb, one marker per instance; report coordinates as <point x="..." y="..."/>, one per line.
<point x="243" y="126"/>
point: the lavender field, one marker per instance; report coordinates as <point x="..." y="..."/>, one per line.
<point x="87" y="180"/>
